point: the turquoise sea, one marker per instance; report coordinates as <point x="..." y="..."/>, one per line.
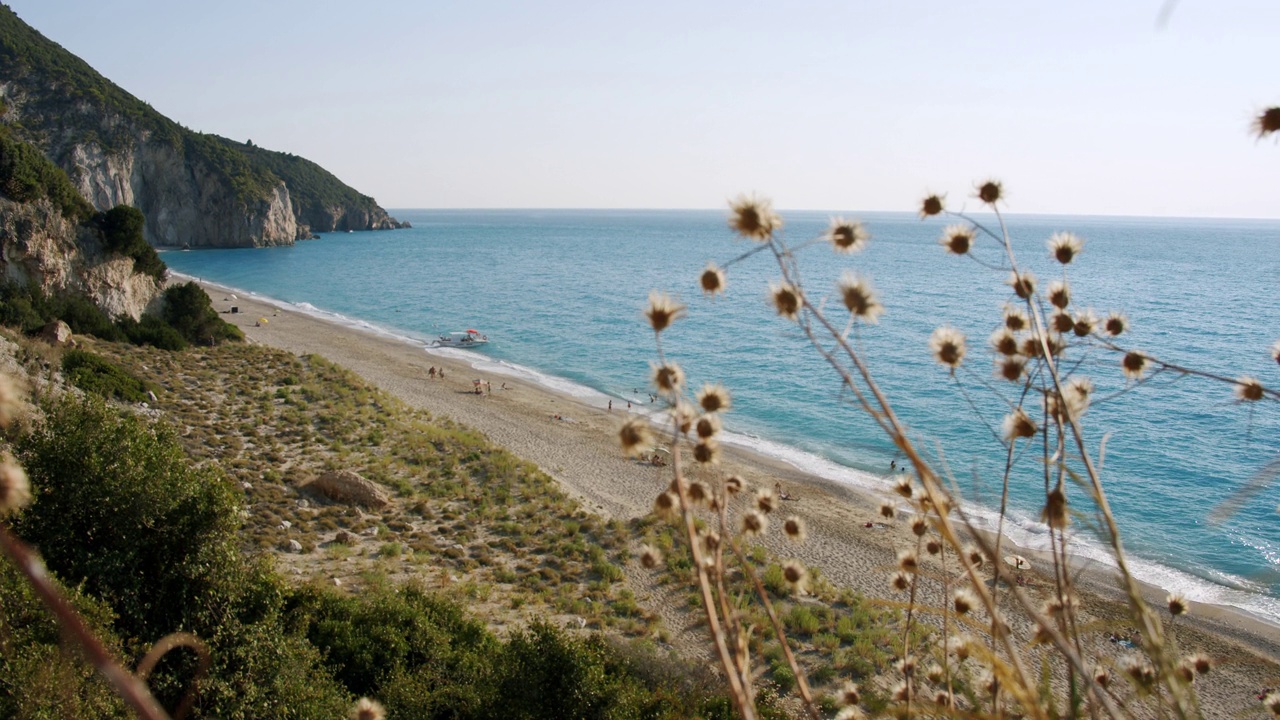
<point x="560" y="294"/>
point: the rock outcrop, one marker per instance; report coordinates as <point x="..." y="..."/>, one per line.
<point x="348" y="487"/>
<point x="195" y="189"/>
<point x="39" y="246"/>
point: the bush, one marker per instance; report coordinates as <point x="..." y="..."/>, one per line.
<point x="152" y="330"/>
<point x="188" y="310"/>
<point x="121" y="228"/>
<point x="95" y="374"/>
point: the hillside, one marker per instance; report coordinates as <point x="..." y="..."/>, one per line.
<point x="195" y="189"/>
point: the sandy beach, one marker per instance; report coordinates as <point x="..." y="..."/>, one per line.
<point x="576" y="443"/>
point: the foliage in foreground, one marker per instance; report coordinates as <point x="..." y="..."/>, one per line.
<point x="165" y="557"/>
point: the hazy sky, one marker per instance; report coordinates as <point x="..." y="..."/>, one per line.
<point x="1079" y="107"/>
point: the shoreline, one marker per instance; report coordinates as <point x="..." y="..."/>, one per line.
<point x="582" y="454"/>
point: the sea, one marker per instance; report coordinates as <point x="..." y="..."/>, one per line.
<point x="1189" y="471"/>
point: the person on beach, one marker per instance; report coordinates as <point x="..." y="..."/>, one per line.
<point x="432" y="372"/>
<point x="893" y="465"/>
<point x="610" y="406"/>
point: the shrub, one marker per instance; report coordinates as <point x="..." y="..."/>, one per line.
<point x="121" y="229"/>
<point x="188" y="310"/>
<point x="95" y="374"/>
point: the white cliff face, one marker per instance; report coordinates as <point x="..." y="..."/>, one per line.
<point x="38" y="245"/>
<point x="185" y="201"/>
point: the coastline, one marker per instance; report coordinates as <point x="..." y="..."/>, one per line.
<point x="581" y="453"/>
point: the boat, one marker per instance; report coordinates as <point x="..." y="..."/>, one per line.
<point x="462" y="339"/>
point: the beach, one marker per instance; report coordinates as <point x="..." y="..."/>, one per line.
<point x="575" y="442"/>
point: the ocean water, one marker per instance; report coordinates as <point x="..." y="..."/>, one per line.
<point x="560" y="295"/>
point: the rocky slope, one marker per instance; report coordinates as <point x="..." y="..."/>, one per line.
<point x="195" y="189"/>
<point x="39" y="246"/>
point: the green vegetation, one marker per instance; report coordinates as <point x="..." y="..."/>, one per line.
<point x="166" y="556"/>
<point x="188" y="318"/>
<point x="95" y="374"/>
<point x="26" y="176"/>
<point x="313" y="189"/>
<point x="121" y="229"/>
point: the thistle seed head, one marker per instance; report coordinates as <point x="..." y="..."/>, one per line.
<point x="786" y="299"/>
<point x="635" y="436"/>
<point x="733" y="485"/>
<point x="1178" y="604"/>
<point x="931" y="205"/>
<point x="650" y="557"/>
<point x="668" y="378"/>
<point x="707" y="452"/>
<point x="907" y="561"/>
<point x="900" y="581"/>
<point x="902" y="691"/>
<point x="847" y="236"/>
<point x="1201" y="663"/>
<point x="698" y="493"/>
<point x="933" y="546"/>
<point x="963" y="601"/>
<point x="1134" y="363"/>
<point x="859" y="297"/>
<point x="919" y="527"/>
<point x="990" y="191"/>
<point x="15" y="489"/>
<point x="711" y="542"/>
<point x="886" y="511"/>
<point x="1018" y="424"/>
<point x="1054" y="513"/>
<point x="712" y="280"/>
<point x="1059" y="295"/>
<point x="1011" y="368"/>
<point x="974" y="555"/>
<point x="947" y="345"/>
<point x="1267" y="122"/>
<point x="1023" y="284"/>
<point x="1086" y="322"/>
<point x="754" y="523"/>
<point x="957" y="239"/>
<point x="707" y="426"/>
<point x="1004" y="342"/>
<point x="753" y="218"/>
<point x="1116" y="323"/>
<point x="366" y="709"/>
<point x="795" y="529"/>
<point x="903" y="487"/>
<point x="714" y="398"/>
<point x="796" y="575"/>
<point x="849" y="694"/>
<point x="1101" y="676"/>
<point x="662" y="311"/>
<point x="1248" y="389"/>
<point x="1062" y="322"/>
<point x="766" y="501"/>
<point x="1064" y="247"/>
<point x="1015" y="318"/>
<point x="666" y="505"/>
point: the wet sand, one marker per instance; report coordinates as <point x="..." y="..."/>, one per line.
<point x="581" y="452"/>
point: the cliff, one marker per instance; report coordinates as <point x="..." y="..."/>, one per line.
<point x="194" y="188"/>
<point x="41" y="247"/>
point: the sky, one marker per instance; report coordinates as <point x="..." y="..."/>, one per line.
<point x="1082" y="107"/>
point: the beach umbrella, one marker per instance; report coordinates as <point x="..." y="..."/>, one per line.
<point x="1017" y="562"/>
<point x="262" y="320"/>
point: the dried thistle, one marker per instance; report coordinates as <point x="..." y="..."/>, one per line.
<point x="887" y="511"/>
<point x="1018" y="424"/>
<point x="1267" y="122"/>
<point x="947" y="345"/>
<point x="1248" y="389"/>
<point x="366" y="709"/>
<point x="754" y="523"/>
<point x="919" y="527"/>
<point x="931" y="205"/>
<point x="711" y="541"/>
<point x="786" y="299"/>
<point x="963" y="601"/>
<point x="933" y="546"/>
<point x="795" y="529"/>
<point x="1060" y="295"/>
<point x="1054" y="513"/>
<point x="907" y="561"/>
<point x="1101" y="676"/>
<point x="712" y="280"/>
<point x="990" y="191"/>
<point x="733" y="485"/>
<point x="957" y="239"/>
<point x="1011" y="368"/>
<point x="847" y="236"/>
<point x="902" y="691"/>
<point x="707" y="426"/>
<point x="1134" y="363"/>
<point x="1201" y="663"/>
<point x="1115" y="324"/>
<point x="1177" y="604"/>
<point x="766" y="501"/>
<point x="714" y="398"/>
<point x="1085" y="323"/>
<point x="683" y="414"/>
<point x="1015" y="318"/>
<point x="849" y="694"/>
<point x="15" y="489"/>
<point x="859" y="297"/>
<point x="668" y="378"/>
<point x="903" y="488"/>
<point x="1023" y="284"/>
<point x="698" y="493"/>
<point x="650" y="557"/>
<point x="635" y="436"/>
<point x="1062" y="322"/>
<point x="796" y="576"/>
<point x="1004" y="342"/>
<point x="1064" y="247"/>
<point x="666" y="505"/>
<point x="900" y="581"/>
<point x="707" y="452"/>
<point x="753" y="218"/>
<point x="662" y="311"/>
<point x="959" y="645"/>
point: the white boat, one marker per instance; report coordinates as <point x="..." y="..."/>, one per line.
<point x="463" y="339"/>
